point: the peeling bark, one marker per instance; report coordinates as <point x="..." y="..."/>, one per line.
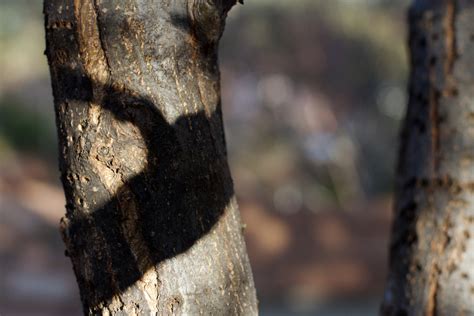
<point x="151" y="225"/>
<point x="432" y="251"/>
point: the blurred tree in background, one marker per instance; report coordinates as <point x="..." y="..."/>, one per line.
<point x="432" y="252"/>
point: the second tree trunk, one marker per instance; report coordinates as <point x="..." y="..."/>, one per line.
<point x="432" y="247"/>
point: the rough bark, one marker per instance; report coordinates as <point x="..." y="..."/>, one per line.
<point x="432" y="248"/>
<point x="151" y="225"/>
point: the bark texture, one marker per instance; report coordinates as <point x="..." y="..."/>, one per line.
<point x="151" y="225"/>
<point x="432" y="246"/>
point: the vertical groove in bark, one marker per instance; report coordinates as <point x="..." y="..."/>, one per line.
<point x="449" y="26"/>
<point x="151" y="226"/>
<point x="431" y="251"/>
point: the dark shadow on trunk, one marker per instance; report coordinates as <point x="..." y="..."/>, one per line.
<point x="179" y="196"/>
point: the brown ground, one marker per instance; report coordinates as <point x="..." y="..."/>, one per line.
<point x="300" y="258"/>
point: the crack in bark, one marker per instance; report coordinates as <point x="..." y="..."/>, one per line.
<point x="99" y="36"/>
<point x="450" y="47"/>
<point x="449" y="90"/>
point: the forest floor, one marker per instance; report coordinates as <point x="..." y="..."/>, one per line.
<point x="304" y="263"/>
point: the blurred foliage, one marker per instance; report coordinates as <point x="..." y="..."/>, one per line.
<point x="21" y="42"/>
<point x="26" y="112"/>
<point x="25" y="130"/>
<point x="315" y="97"/>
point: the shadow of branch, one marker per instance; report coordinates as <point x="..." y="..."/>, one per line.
<point x="155" y="215"/>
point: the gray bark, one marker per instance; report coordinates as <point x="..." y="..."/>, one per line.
<point x="151" y="225"/>
<point x="432" y="249"/>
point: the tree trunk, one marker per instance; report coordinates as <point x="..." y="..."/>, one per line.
<point x="151" y="226"/>
<point x="432" y="249"/>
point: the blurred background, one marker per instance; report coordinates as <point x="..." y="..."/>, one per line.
<point x="313" y="93"/>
